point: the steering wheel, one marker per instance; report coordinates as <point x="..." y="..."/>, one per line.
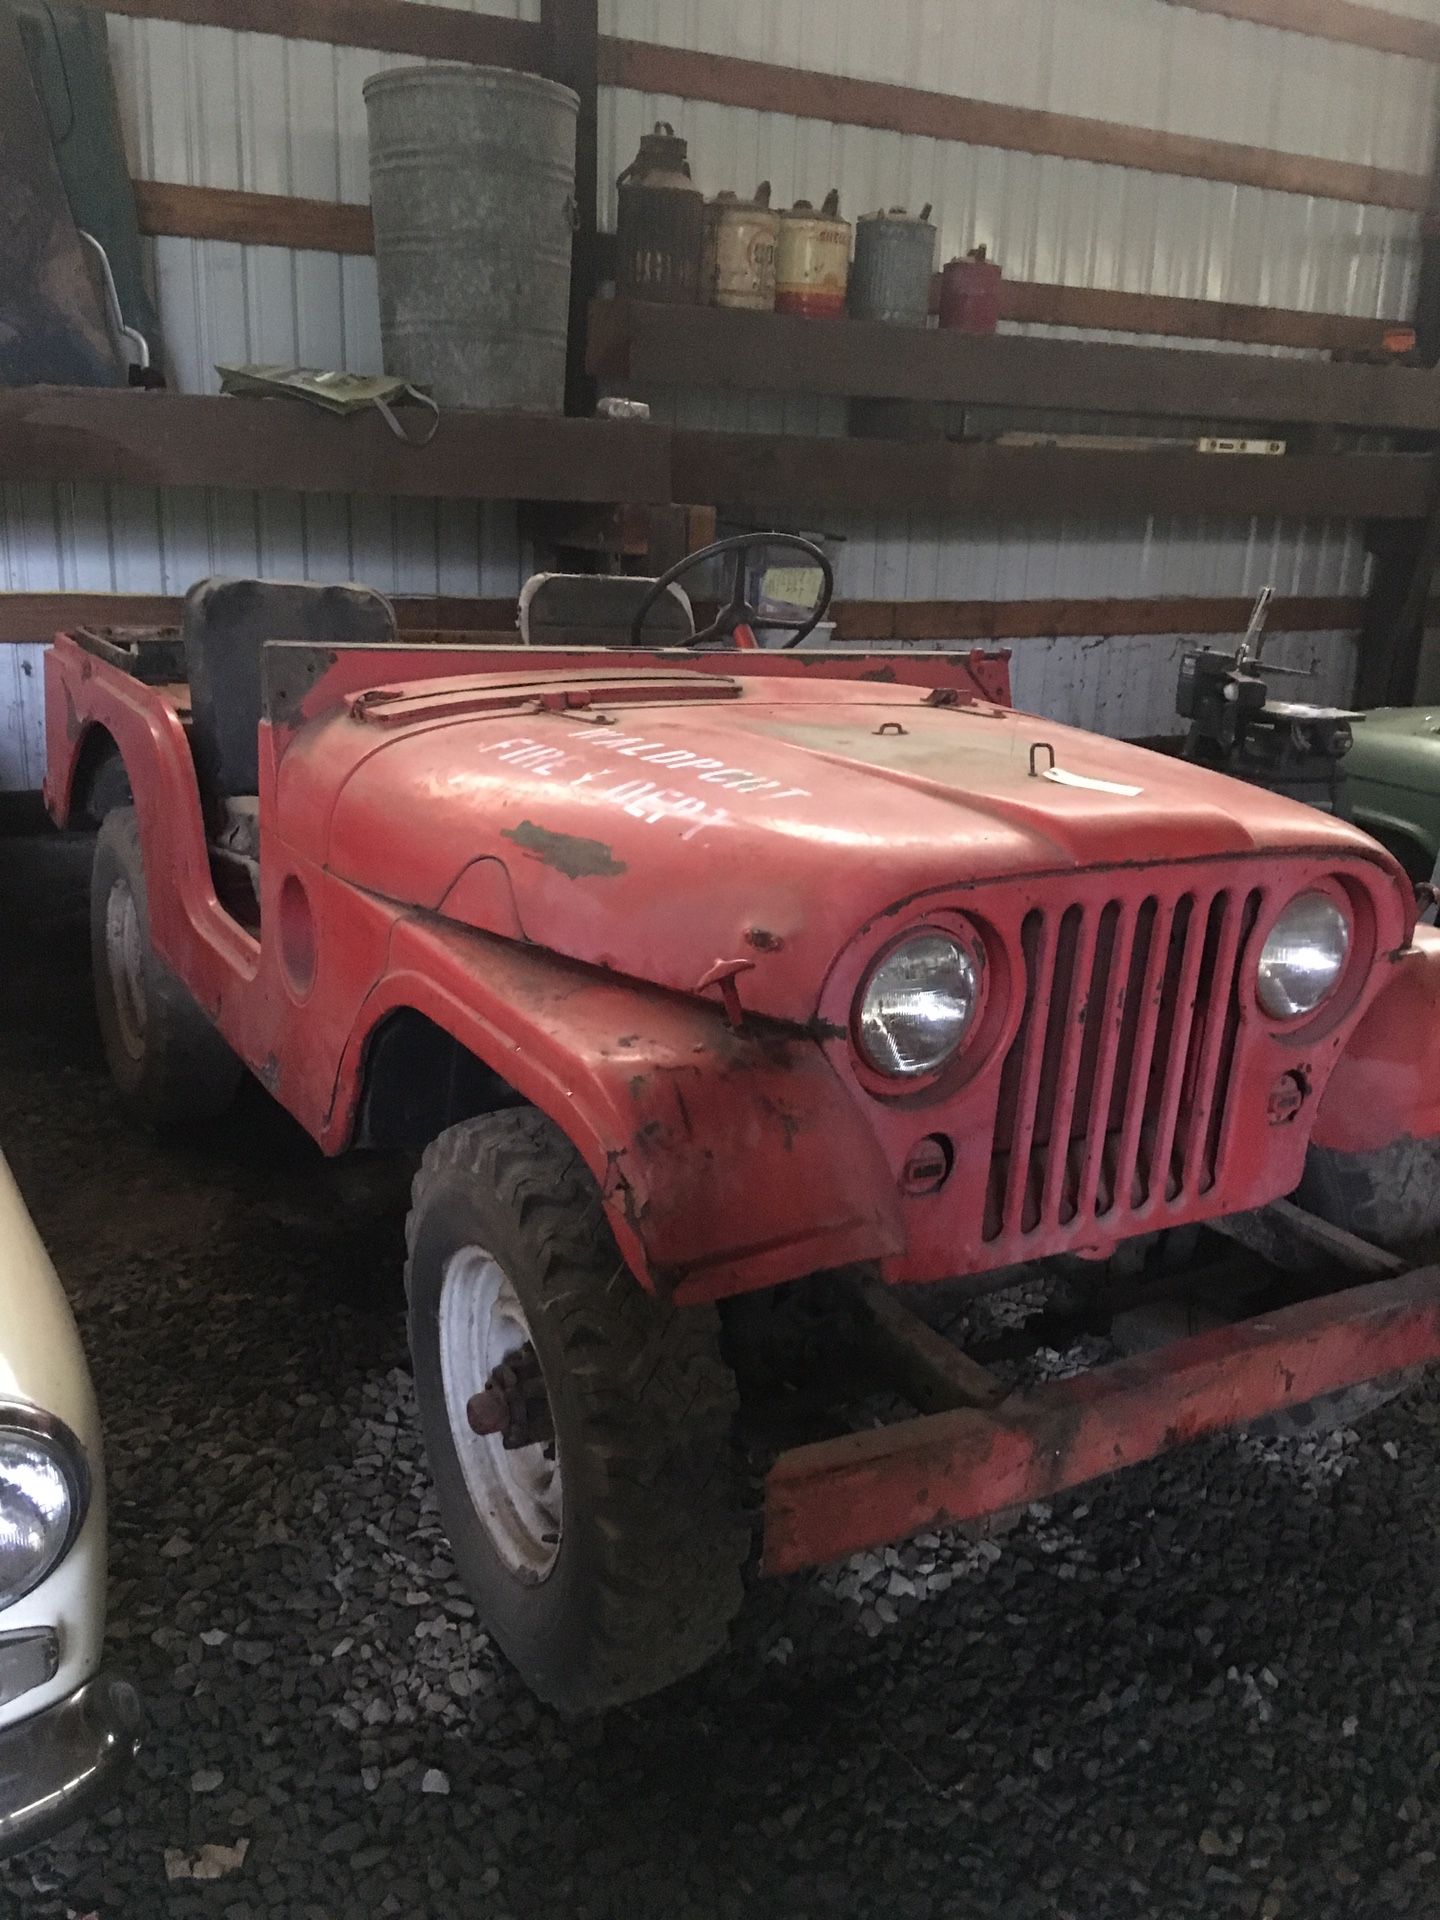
<point x="737" y="613"/>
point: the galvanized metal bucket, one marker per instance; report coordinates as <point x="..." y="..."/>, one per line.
<point x="472" y="182"/>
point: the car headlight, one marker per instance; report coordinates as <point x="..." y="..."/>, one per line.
<point x="917" y="1005"/>
<point x="1304" y="956"/>
<point x="42" y="1502"/>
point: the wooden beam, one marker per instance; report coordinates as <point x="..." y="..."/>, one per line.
<point x="31" y="617"/>
<point x="253" y="219"/>
<point x="1404" y="559"/>
<point x="1342" y="20"/>
<point x="63" y="434"/>
<point x="1109" y="310"/>
<point x="37" y="617"/>
<point x="391" y="25"/>
<point x="570" y="30"/>
<point x="327" y="226"/>
<point x="387" y="26"/>
<point x="447" y="33"/>
<point x="648" y="344"/>
<point x="891" y="620"/>
<point x="781" y="473"/>
<point x="201" y="440"/>
<point x="846" y="101"/>
<point x="280" y="220"/>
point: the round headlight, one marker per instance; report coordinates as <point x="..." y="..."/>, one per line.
<point x="1302" y="960"/>
<point x="917" y="1005"/>
<point x="40" y="1498"/>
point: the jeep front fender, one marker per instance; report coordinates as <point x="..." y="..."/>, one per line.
<point x="1386" y="1084"/>
<point x="727" y="1160"/>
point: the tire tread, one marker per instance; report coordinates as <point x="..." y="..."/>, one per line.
<point x="658" y="1407"/>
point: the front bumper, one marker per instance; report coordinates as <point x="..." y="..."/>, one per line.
<point x="56" y="1765"/>
<point x="868" y="1489"/>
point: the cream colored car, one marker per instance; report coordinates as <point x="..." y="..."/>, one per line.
<point x="66" y="1729"/>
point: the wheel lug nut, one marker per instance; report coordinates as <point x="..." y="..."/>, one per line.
<point x="488" y="1412"/>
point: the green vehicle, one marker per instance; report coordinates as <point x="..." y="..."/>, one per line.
<point x="1392" y="784"/>
<point x="1380" y="769"/>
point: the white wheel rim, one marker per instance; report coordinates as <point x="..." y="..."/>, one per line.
<point x="125" y="961"/>
<point x="516" y="1492"/>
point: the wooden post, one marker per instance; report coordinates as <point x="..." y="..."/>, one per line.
<point x="571" y="32"/>
<point x="1404" y="558"/>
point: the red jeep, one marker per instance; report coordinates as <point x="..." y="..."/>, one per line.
<point x="700" y="972"/>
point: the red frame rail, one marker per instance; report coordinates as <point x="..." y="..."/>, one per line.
<point x="868" y="1489"/>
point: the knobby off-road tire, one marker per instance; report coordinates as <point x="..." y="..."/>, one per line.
<point x="171" y="1066"/>
<point x="609" y="1565"/>
<point x="109" y="789"/>
<point x="1391" y="1197"/>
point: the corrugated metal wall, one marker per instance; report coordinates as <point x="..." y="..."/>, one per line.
<point x="208" y="106"/>
<point x="1137" y="62"/>
<point x="1131" y="61"/>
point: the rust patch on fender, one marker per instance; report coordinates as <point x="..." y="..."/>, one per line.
<point x="567" y="853"/>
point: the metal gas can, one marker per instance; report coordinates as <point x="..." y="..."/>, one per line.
<point x="661" y="223"/>
<point x="894" y="264"/>
<point x="740" y="237"/>
<point x="970" y="293"/>
<point x="812" y="260"/>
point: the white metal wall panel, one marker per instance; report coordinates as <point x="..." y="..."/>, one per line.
<point x="1126" y="687"/>
<point x="1122" y="685"/>
<point x="1051" y="219"/>
<point x="207" y="106"/>
<point x="95" y="539"/>
<point x="1137" y="62"/>
<point x="1134" y="62"/>
<point x="22" y="720"/>
<point x="220" y="303"/>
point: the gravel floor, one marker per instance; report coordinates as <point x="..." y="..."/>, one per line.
<point x="1205" y="1688"/>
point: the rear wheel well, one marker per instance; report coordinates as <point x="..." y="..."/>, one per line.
<point x="101" y="782"/>
<point x="418" y="1079"/>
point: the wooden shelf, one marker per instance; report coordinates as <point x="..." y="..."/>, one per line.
<point x="752" y="470"/>
<point x="61" y="434"/>
<point x="202" y="440"/>
<point x="647" y="344"/>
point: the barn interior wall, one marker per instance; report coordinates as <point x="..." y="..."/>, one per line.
<point x="213" y="107"/>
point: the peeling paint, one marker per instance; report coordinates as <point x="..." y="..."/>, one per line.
<point x="567" y="853"/>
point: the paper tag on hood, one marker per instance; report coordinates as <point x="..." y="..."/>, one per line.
<point x="1063" y="778"/>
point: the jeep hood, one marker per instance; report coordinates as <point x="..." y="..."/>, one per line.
<point x="675" y="832"/>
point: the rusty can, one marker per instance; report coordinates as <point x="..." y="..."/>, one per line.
<point x="661" y="222"/>
<point x="970" y="293"/>
<point x="812" y="260"/>
<point x="740" y="237"/>
<point x="894" y="263"/>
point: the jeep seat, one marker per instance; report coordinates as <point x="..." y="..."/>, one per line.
<point x="224" y="626"/>
<point x="598" y="610"/>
